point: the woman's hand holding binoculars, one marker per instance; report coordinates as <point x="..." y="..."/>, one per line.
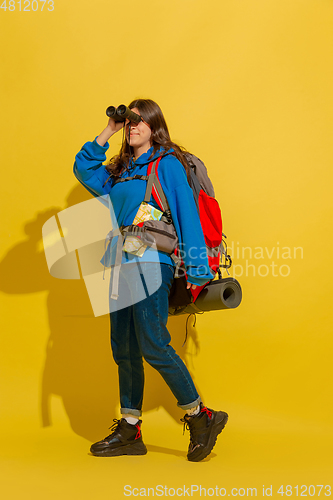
<point x="114" y="126"/>
<point x="111" y="128"/>
<point x="117" y="118"/>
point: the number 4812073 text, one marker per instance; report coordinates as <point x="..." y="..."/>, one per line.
<point x="27" y="5"/>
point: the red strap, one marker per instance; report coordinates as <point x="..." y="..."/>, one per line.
<point x="138" y="434"/>
<point x="150" y="166"/>
<point x="154" y="190"/>
<point x="204" y="409"/>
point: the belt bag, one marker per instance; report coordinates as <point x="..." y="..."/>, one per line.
<point x="160" y="233"/>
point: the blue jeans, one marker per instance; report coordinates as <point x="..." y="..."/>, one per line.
<point x="139" y="331"/>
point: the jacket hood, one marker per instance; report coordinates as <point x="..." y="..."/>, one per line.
<point x="144" y="159"/>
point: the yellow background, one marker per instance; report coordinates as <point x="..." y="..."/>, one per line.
<point x="246" y="85"/>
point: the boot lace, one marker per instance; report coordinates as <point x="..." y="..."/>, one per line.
<point x="138" y="434"/>
<point x="189" y="424"/>
<point x="113" y="428"/>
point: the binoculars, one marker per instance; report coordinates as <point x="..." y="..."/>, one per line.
<point x="122" y="113"/>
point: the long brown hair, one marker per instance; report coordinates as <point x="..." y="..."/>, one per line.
<point x="160" y="137"/>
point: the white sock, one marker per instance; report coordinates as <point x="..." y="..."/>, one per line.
<point x="193" y="411"/>
<point x="130" y="419"/>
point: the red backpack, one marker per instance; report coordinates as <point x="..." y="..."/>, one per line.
<point x="211" y="223"/>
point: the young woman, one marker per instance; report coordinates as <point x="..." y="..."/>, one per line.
<point x="138" y="330"/>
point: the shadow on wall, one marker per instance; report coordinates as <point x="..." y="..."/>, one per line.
<point x="78" y="362"/>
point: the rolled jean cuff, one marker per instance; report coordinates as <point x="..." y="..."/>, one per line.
<point x="131" y="411"/>
<point x="190" y="405"/>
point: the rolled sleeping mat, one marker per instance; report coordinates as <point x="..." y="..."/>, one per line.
<point x="219" y="294"/>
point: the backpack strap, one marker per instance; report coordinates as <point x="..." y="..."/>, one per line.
<point x="223" y="248"/>
<point x="124" y="179"/>
<point x="154" y="186"/>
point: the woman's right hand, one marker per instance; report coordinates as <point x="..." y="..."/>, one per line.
<point x="111" y="128"/>
<point x="114" y="126"/>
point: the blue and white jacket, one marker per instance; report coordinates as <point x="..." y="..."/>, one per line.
<point x="126" y="198"/>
